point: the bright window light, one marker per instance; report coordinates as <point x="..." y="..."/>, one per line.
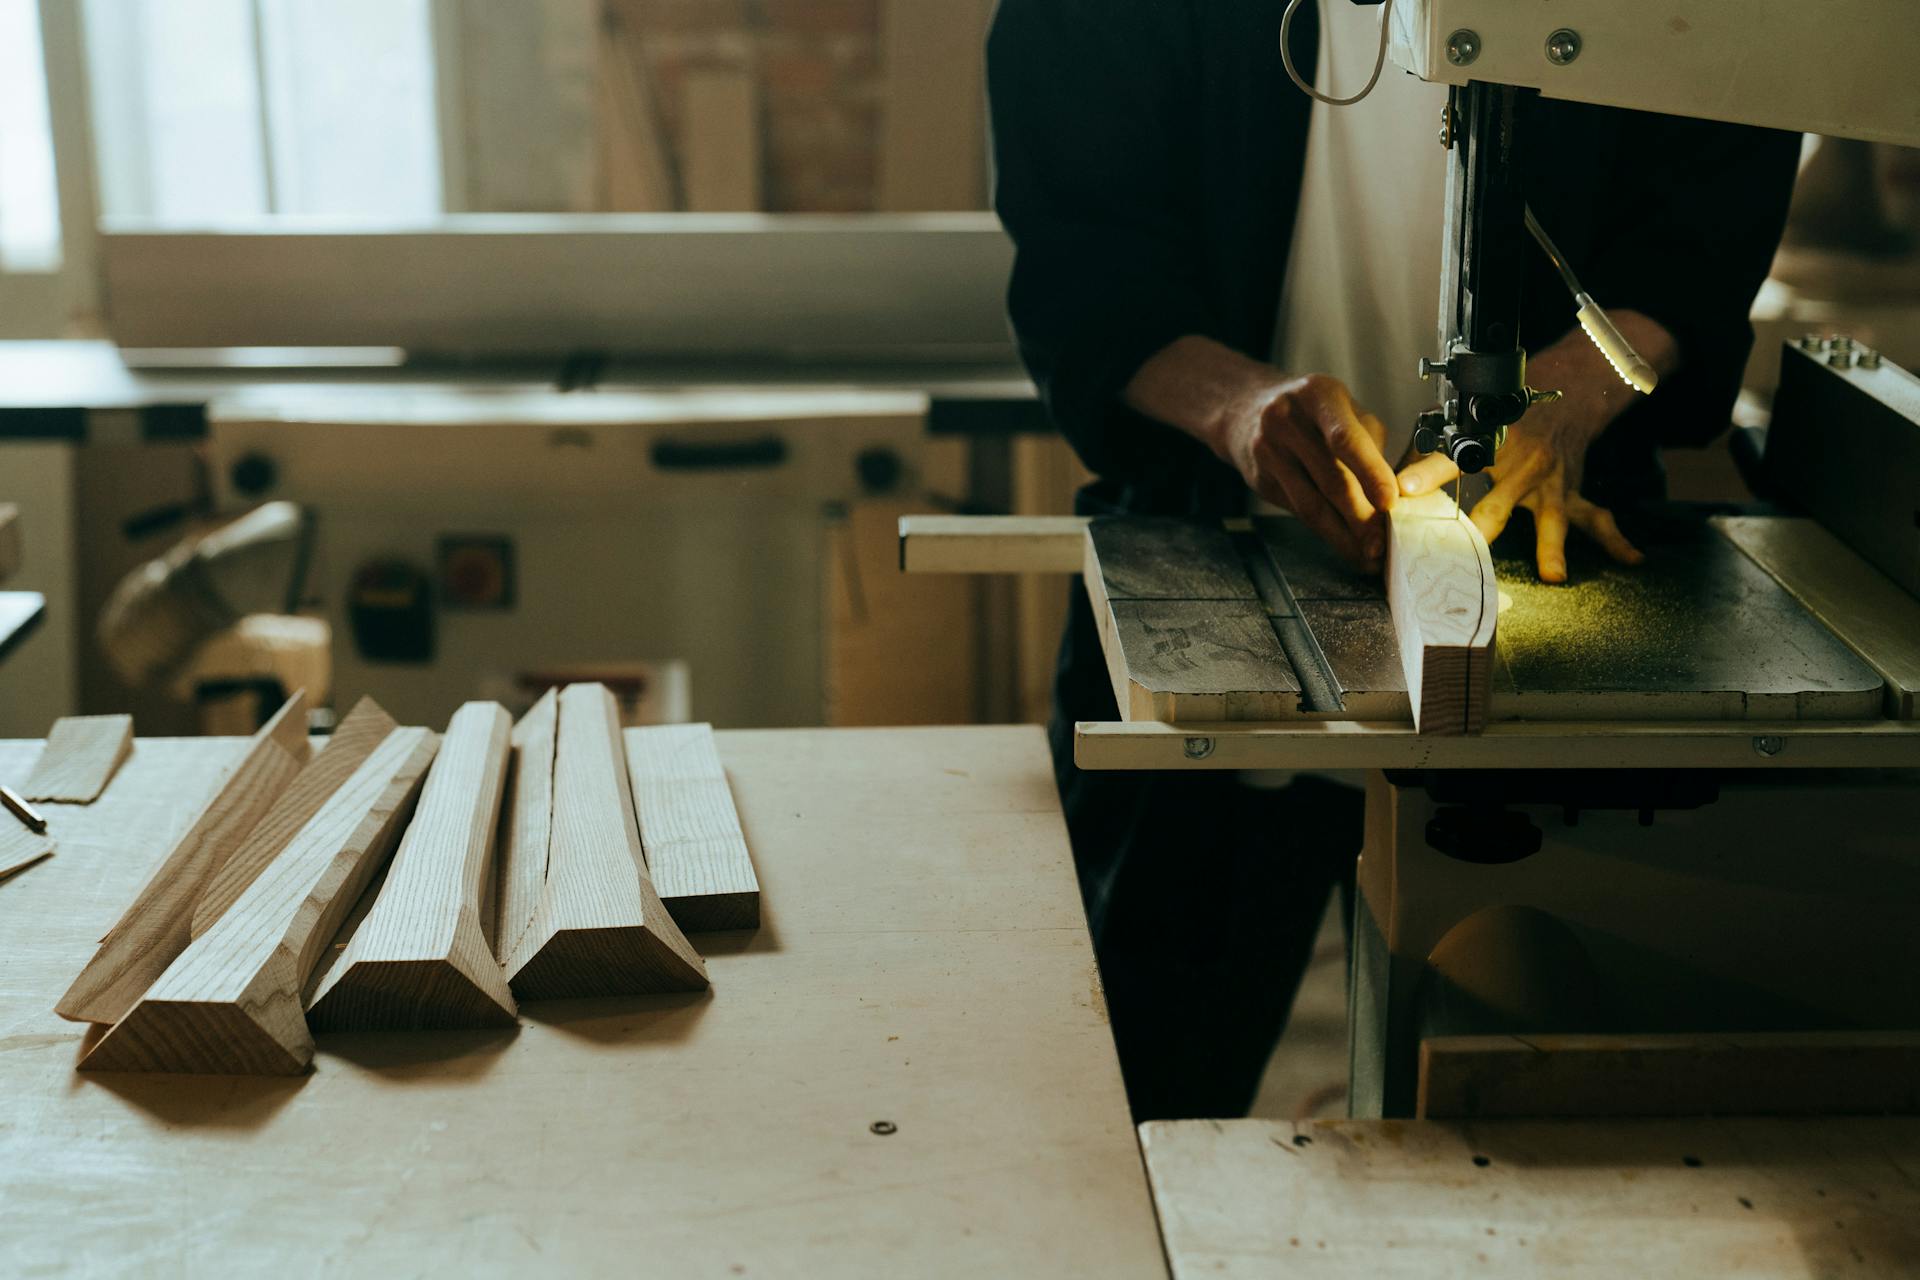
<point x="29" y="195"/>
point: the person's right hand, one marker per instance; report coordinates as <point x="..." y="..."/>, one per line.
<point x="1305" y="446"/>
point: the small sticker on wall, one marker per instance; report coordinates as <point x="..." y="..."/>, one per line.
<point x="476" y="571"/>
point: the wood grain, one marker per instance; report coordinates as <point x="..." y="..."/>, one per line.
<point x="601" y="928"/>
<point x="689" y="830"/>
<point x="352" y="743"/>
<point x="1445" y="602"/>
<point x="230" y="1004"/>
<point x="527" y="823"/>
<point x="720" y="155"/>
<point x="1576" y="1077"/>
<point x="420" y="958"/>
<point x="80" y="758"/>
<point x="157" y="926"/>
<point x="1762" y="1199"/>
<point x="992" y="544"/>
<point x="21" y="848"/>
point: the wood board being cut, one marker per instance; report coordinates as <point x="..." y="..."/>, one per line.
<point x="599" y="928"/>
<point x="1445" y="603"/>
<point x="157" y="927"/>
<point x="420" y="958"/>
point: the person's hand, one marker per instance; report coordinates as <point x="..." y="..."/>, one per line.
<point x="1305" y="446"/>
<point x="1540" y="465"/>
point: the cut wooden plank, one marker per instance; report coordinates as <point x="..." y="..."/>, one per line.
<point x="9" y="540"/>
<point x="230" y="1003"/>
<point x="635" y="176"/>
<point x="353" y="741"/>
<point x="601" y="928"/>
<point x="689" y="830"/>
<point x="157" y="927"/>
<point x="1758" y="1198"/>
<point x="1870" y="613"/>
<point x="933" y="121"/>
<point x="1573" y="1077"/>
<point x="79" y="759"/>
<point x="21" y="848"/>
<point x="1445" y="602"/>
<point x="993" y="544"/>
<point x="720" y="158"/>
<point x="528" y="823"/>
<point x="420" y="958"/>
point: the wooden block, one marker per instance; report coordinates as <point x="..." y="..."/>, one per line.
<point x="720" y="160"/>
<point x="230" y="1004"/>
<point x="528" y="823"/>
<point x="157" y="927"/>
<point x="992" y="544"/>
<point x="9" y="540"/>
<point x="933" y="121"/>
<point x="1445" y="602"/>
<point x="353" y="741"/>
<point x="1870" y="613"/>
<point x="600" y="928"/>
<point x="689" y="829"/>
<point x="420" y="959"/>
<point x="20" y="848"/>
<point x="79" y="759"/>
<point x="1571" y="1077"/>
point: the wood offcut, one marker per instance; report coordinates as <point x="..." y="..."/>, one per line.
<point x="80" y="758"/>
<point x="689" y="829"/>
<point x="21" y="848"/>
<point x="230" y="1004"/>
<point x="157" y="927"/>
<point x="420" y="959"/>
<point x="600" y="927"/>
<point x="1445" y="602"/>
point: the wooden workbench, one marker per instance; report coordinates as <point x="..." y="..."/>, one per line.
<point x="923" y="961"/>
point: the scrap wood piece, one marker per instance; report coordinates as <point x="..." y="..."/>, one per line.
<point x="600" y="928"/>
<point x="157" y="927"/>
<point x="353" y="741"/>
<point x="21" y="848"/>
<point x="230" y="1003"/>
<point x="1445" y="602"/>
<point x="690" y="830"/>
<point x="80" y="758"/>
<point x="528" y="823"/>
<point x="420" y="959"/>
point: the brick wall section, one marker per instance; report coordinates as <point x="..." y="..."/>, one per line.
<point x="822" y="92"/>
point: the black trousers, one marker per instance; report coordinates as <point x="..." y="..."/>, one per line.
<point x="1204" y="896"/>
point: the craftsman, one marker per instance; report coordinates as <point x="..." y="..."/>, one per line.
<point x="1222" y="290"/>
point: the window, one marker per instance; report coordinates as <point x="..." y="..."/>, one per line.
<point x="29" y="199"/>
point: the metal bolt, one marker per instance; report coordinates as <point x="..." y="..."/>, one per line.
<point x="1841" y="358"/>
<point x="1869" y="358"/>
<point x="1463" y="46"/>
<point x="1446" y="126"/>
<point x="1428" y="368"/>
<point x="1563" y="46"/>
<point x="1769" y="745"/>
<point x="1199" y="748"/>
<point x="1841" y="342"/>
<point x="883" y="1127"/>
<point x="1810" y="342"/>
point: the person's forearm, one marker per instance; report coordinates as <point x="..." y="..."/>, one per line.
<point x="1591" y="388"/>
<point x="1200" y="387"/>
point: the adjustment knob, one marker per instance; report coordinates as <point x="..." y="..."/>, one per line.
<point x="1471" y="455"/>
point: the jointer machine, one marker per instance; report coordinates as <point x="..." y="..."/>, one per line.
<point x="1676" y="799"/>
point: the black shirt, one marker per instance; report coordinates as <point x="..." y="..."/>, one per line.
<point x="1148" y="159"/>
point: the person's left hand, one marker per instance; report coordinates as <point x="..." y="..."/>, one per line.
<point x="1540" y="465"/>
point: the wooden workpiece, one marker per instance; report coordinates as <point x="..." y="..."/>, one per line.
<point x="599" y="928"/>
<point x="156" y="928"/>
<point x="80" y="758"/>
<point x="1584" y="1077"/>
<point x="924" y="961"/>
<point x="420" y="958"/>
<point x="1760" y="1198"/>
<point x="689" y="831"/>
<point x="526" y="824"/>
<point x="351" y="743"/>
<point x="230" y="1004"/>
<point x="1445" y="603"/>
